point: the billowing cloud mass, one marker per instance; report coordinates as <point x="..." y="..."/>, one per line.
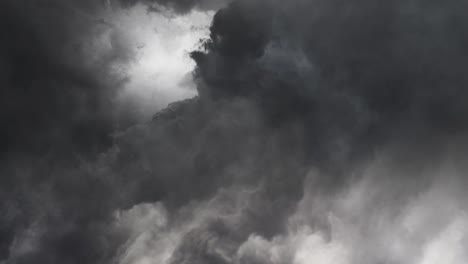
<point x="323" y="132"/>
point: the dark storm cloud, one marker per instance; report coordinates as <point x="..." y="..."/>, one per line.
<point x="407" y="61"/>
<point x="54" y="89"/>
<point x="375" y="73"/>
<point x="295" y="97"/>
<point x="400" y="58"/>
<point x="56" y="92"/>
<point x="60" y="72"/>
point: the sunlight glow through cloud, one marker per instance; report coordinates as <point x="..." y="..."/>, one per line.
<point x="161" y="71"/>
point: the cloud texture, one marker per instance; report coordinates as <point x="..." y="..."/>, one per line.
<point x="323" y="132"/>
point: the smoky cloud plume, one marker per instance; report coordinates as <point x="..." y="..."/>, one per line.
<point x="324" y="132"/>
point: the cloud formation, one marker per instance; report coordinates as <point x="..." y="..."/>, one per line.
<point x="323" y="132"/>
<point x="177" y="6"/>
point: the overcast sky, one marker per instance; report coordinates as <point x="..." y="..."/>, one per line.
<point x="233" y="132"/>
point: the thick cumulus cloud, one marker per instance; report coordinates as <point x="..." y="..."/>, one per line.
<point x="62" y="65"/>
<point x="324" y="132"/>
<point x="59" y="72"/>
<point x="356" y="107"/>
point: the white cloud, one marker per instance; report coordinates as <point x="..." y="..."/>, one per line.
<point x="161" y="71"/>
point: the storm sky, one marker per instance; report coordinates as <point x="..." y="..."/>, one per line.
<point x="233" y="132"/>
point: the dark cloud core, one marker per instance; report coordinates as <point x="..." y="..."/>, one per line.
<point x="323" y="132"/>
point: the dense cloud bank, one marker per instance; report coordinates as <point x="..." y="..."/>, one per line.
<point x="53" y="84"/>
<point x="324" y="132"/>
<point x="63" y="64"/>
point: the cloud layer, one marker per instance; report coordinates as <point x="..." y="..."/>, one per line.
<point x="323" y="132"/>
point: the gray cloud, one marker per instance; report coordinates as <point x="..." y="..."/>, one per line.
<point x="178" y="6"/>
<point x="322" y="132"/>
